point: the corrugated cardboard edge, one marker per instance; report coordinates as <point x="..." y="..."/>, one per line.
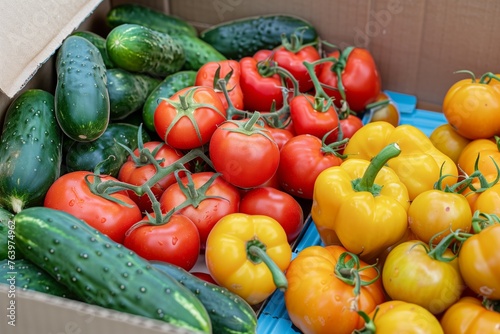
<point x="62" y="315"/>
<point x="29" y="71"/>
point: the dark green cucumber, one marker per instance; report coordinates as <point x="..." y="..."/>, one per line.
<point x="86" y="156"/>
<point x="170" y="85"/>
<point x="102" y="272"/>
<point x="26" y="275"/>
<point x="82" y="100"/>
<point x="229" y="313"/>
<point x="128" y="91"/>
<point x="243" y="37"/>
<point x="30" y="150"/>
<point x="99" y="42"/>
<point x="138" y="49"/>
<point x="6" y="225"/>
<point x="157" y="20"/>
<point x="197" y="51"/>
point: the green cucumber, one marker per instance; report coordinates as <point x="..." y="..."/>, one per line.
<point x="243" y="37"/>
<point x="170" y="85"/>
<point x="26" y="275"/>
<point x="6" y="225"/>
<point x="157" y="20"/>
<point x="229" y="313"/>
<point x="138" y="49"/>
<point x="102" y="272"/>
<point x="197" y="51"/>
<point x="86" y="156"/>
<point x="81" y="96"/>
<point x="128" y="91"/>
<point x="30" y="150"/>
<point x="99" y="42"/>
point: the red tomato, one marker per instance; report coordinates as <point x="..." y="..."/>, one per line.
<point x="280" y="135"/>
<point x="209" y="74"/>
<point x="349" y="126"/>
<point x="189" y="118"/>
<point x="137" y="173"/>
<point x="276" y="204"/>
<point x="301" y="160"/>
<point x="359" y="76"/>
<point x="177" y="241"/>
<point x="260" y="89"/>
<point x="293" y="61"/>
<point x="70" y="193"/>
<point x="309" y="119"/>
<point x="244" y="153"/>
<point x="209" y="198"/>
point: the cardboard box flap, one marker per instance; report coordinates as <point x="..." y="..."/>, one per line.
<point x="32" y="31"/>
<point x="35" y="312"/>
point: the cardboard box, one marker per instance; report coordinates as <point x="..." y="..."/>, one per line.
<point x="416" y="44"/>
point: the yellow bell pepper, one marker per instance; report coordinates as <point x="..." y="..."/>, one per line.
<point x="248" y="254"/>
<point x="420" y="164"/>
<point x="361" y="205"/>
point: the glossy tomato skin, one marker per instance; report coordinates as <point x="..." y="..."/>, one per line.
<point x="479" y="261"/>
<point x="297" y="176"/>
<point x="259" y="91"/>
<point x="318" y="301"/>
<point x="245" y="160"/>
<point x="176" y="124"/>
<point x="411" y="275"/>
<point x="204" y="212"/>
<point x="206" y="76"/>
<point x="281" y="135"/>
<point x="396" y="316"/>
<point x="360" y="78"/>
<point x="293" y="61"/>
<point x="277" y="204"/>
<point x="468" y="315"/>
<point x="70" y="193"/>
<point x="177" y="242"/>
<point x="472" y="108"/>
<point x="307" y="120"/>
<point x="138" y="175"/>
<point x="447" y="140"/>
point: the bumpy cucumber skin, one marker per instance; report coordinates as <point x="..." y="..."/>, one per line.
<point x="229" y="313"/>
<point x="30" y="150"/>
<point x="157" y="20"/>
<point x="138" y="49"/>
<point x="241" y="38"/>
<point x="197" y="51"/>
<point x="5" y="217"/>
<point x="128" y="91"/>
<point x="81" y="96"/>
<point x="102" y="272"/>
<point x="99" y="42"/>
<point x="168" y="87"/>
<point x="28" y="276"/>
<point x="86" y="156"/>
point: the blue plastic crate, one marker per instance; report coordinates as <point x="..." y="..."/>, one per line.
<point x="273" y="316"/>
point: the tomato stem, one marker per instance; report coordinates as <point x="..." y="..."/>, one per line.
<point x="367" y="182"/>
<point x="256" y="252"/>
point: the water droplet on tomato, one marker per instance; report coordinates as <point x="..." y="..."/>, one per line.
<point x="71" y="203"/>
<point x="175" y="240"/>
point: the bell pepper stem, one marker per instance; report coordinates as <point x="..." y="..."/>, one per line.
<point x="279" y="277"/>
<point x="366" y="183"/>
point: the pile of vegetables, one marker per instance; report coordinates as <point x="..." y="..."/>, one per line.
<point x="162" y="147"/>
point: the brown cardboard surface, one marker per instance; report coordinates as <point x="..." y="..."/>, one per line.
<point x="31" y="32"/>
<point x="38" y="313"/>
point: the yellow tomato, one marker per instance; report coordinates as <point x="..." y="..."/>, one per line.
<point x="447" y="140"/>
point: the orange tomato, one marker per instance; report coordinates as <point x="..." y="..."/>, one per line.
<point x="447" y="140"/>
<point x="469" y="316"/>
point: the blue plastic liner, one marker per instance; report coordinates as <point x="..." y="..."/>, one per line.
<point x="273" y="316"/>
